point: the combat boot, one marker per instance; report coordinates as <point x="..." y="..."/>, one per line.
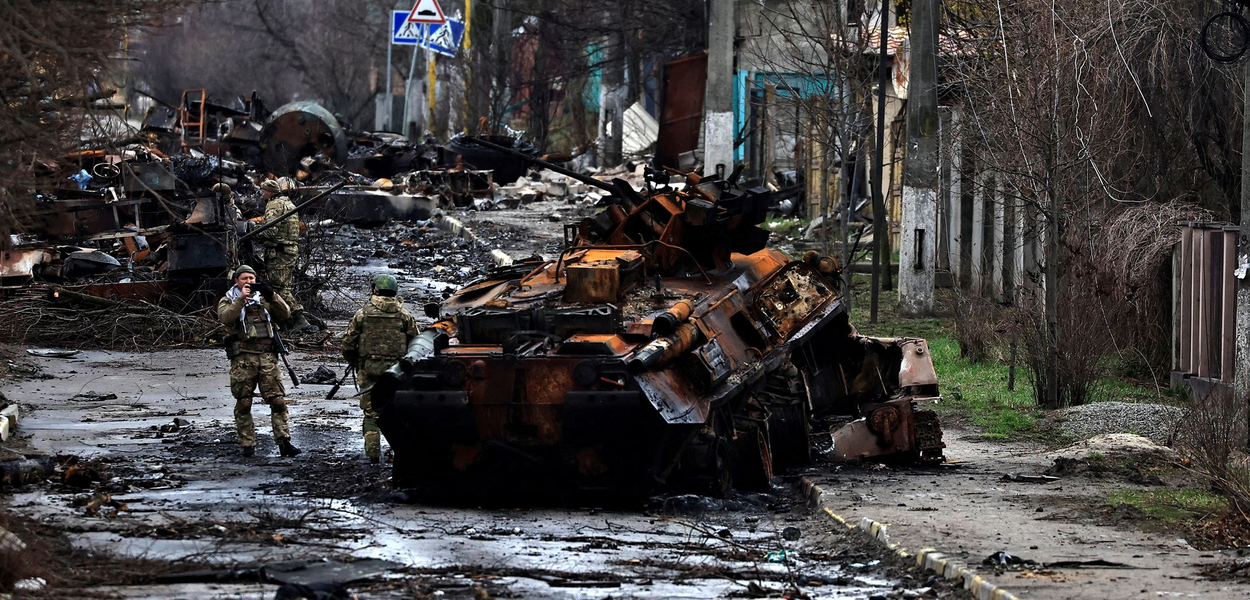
<point x="249" y="451"/>
<point x="286" y="449"/>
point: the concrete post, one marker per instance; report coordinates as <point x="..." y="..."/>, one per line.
<point x="976" y="266"/>
<point x="917" y="257"/>
<point x="612" y="95"/>
<point x="954" y="154"/>
<point x="1000" y="245"/>
<point x="880" y="230"/>
<point x="718" y="121"/>
<point x="1241" y="385"/>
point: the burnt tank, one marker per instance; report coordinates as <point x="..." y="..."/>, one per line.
<point x="667" y="347"/>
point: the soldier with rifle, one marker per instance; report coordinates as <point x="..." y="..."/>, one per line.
<point x="248" y="311"/>
<point x="377" y="337"/>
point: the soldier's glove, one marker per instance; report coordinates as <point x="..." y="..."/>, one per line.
<point x="264" y="289"/>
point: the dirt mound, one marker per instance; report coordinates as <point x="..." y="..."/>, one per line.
<point x="1115" y="445"/>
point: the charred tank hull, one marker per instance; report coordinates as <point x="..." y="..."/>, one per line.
<point x="665" y="348"/>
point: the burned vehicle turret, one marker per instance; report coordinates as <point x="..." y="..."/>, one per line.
<point x="665" y="347"/>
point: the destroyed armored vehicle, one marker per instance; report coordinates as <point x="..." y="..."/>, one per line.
<point x="666" y="347"/>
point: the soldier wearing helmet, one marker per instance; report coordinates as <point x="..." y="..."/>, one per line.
<point x="377" y="337"/>
<point x="282" y="247"/>
<point x="247" y="311"/>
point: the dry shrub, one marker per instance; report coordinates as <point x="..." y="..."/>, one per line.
<point x="978" y="322"/>
<point x="37" y="320"/>
<point x="1128" y="259"/>
<point x="1081" y="349"/>
<point x="1213" y="438"/>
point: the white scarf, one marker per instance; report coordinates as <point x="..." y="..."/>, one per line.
<point x="234" y="293"/>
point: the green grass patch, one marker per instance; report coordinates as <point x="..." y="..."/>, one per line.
<point x="978" y="393"/>
<point x="974" y="392"/>
<point x="785" y="226"/>
<point x="1172" y="506"/>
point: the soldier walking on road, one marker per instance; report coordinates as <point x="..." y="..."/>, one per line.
<point x="377" y="337"/>
<point x="247" y="311"/>
<point x="282" y="248"/>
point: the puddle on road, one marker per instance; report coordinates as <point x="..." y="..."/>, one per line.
<point x="217" y="508"/>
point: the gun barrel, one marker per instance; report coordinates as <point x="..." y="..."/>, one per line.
<point x="665" y="348"/>
<point x="423" y="346"/>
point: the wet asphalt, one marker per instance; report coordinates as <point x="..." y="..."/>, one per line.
<point x="189" y="499"/>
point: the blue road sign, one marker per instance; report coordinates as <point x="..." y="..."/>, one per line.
<point x="444" y="39"/>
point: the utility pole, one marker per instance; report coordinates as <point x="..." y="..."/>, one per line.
<point x="612" y="92"/>
<point x="1241" y="377"/>
<point x="501" y="38"/>
<point x="880" y="232"/>
<point x="917" y="258"/>
<point x="718" y="122"/>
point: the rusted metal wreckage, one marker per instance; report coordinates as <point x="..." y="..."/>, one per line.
<point x="140" y="220"/>
<point x="667" y="346"/>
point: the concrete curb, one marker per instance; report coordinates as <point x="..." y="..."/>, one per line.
<point x="458" y="228"/>
<point x="8" y="421"/>
<point x="927" y="558"/>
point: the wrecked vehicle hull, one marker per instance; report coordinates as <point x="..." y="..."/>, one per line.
<point x="666" y="347"/>
<point x="578" y="418"/>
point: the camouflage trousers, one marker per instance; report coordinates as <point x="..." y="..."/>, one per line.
<point x="280" y="269"/>
<point x="367" y="375"/>
<point x="247" y="372"/>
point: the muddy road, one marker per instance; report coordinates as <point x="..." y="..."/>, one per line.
<point x="158" y="477"/>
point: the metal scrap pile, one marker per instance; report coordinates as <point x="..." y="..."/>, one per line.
<point x="145" y="219"/>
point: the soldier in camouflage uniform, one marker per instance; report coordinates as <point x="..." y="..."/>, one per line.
<point x="377" y="337"/>
<point x="246" y="311"/>
<point x="282" y="247"/>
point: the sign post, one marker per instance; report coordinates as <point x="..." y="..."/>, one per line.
<point x="426" y="27"/>
<point x="431" y="14"/>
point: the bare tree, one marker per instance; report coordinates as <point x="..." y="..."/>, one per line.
<point x="1077" y="110"/>
<point x="818" y="64"/>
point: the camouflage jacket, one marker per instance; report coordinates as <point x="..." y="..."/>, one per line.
<point x="380" y="331"/>
<point x="285" y="233"/>
<point x="251" y="331"/>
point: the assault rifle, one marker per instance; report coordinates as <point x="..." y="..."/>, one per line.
<point x="282" y="352"/>
<point x="334" y="390"/>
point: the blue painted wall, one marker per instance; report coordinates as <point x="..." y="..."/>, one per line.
<point x="802" y="85"/>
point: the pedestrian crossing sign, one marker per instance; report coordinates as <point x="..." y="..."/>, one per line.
<point x="444" y="38"/>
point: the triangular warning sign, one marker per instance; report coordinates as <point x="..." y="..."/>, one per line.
<point x="427" y="11"/>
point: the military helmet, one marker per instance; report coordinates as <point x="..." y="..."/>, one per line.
<point x="385" y="283"/>
<point x="271" y="185"/>
<point x="221" y="188"/>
